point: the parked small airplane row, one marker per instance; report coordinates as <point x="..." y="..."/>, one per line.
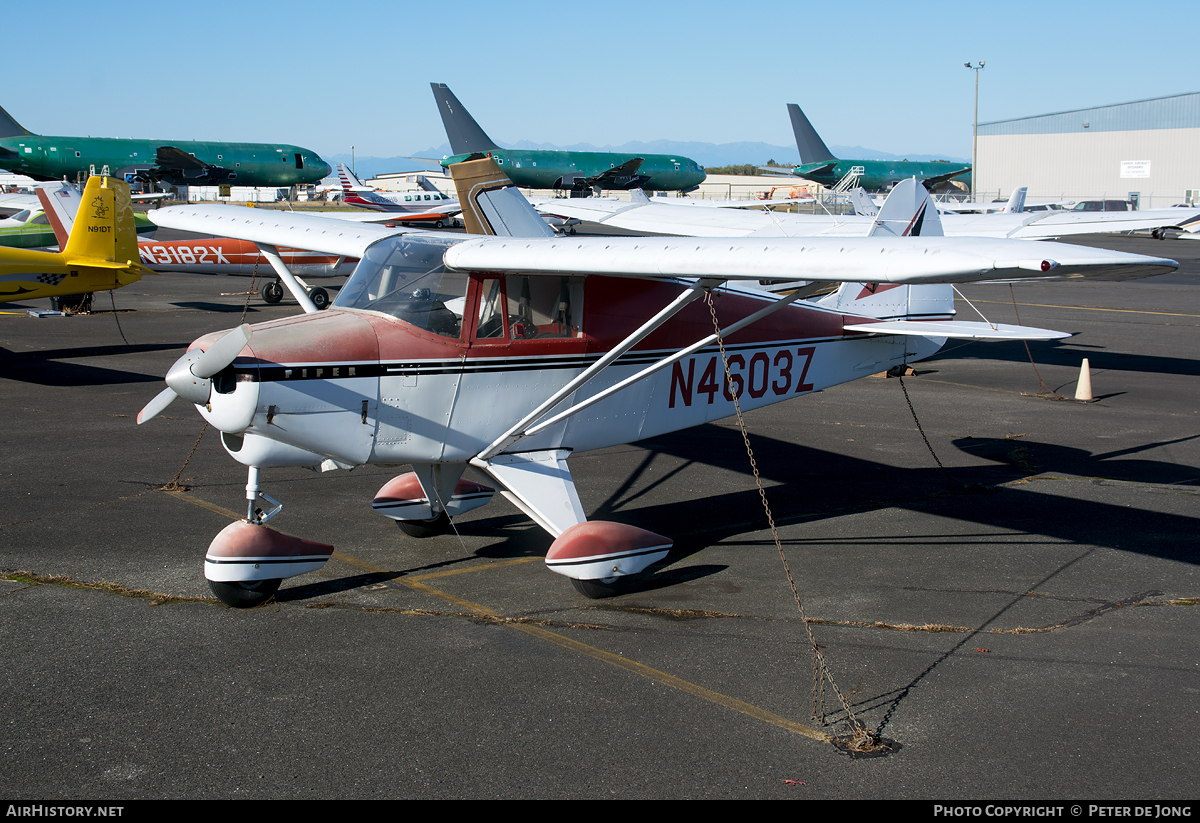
<point x="668" y="217"/>
<point x="444" y="351"/>
<point x="100" y="252"/>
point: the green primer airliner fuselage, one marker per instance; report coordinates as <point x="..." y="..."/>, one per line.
<point x="881" y="175"/>
<point x="542" y="169"/>
<point x="47" y="157"/>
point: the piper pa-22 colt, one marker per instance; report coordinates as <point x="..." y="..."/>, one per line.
<point x="510" y="353"/>
<point x="100" y="252"/>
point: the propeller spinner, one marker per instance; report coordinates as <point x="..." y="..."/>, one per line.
<point x="191" y="376"/>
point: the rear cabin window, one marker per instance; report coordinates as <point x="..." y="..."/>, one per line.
<point x="518" y="307"/>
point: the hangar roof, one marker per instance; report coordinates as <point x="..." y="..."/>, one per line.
<point x="1177" y="111"/>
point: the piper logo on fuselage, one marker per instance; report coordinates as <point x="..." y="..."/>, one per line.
<point x="757" y="376"/>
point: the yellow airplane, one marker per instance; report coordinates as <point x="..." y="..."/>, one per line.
<point x="101" y="252"/>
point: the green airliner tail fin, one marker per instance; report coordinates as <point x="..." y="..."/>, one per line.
<point x="10" y="127"/>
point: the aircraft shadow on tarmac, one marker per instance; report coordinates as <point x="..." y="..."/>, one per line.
<point x="218" y="308"/>
<point x="814" y="485"/>
<point x="806" y="484"/>
<point x="1070" y="355"/>
<point x="46" y="367"/>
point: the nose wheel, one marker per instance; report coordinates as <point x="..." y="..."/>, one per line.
<point x="272" y="292"/>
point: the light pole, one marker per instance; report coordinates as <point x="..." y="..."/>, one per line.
<point x="975" y="135"/>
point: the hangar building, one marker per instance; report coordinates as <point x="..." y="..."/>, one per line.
<point x="1148" y="148"/>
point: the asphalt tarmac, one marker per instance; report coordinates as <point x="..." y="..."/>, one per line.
<point x="1012" y="609"/>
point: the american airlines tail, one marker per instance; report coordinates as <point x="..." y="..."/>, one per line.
<point x="464" y="133"/>
<point x="350" y="183"/>
<point x="812" y="148"/>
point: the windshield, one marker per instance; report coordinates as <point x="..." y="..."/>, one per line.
<point x="404" y="277"/>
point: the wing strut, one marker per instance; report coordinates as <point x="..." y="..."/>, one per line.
<point x="515" y="433"/>
<point x="289" y="279"/>
<point x="667" y="361"/>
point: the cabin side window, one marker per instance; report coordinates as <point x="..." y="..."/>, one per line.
<point x="519" y="307"/>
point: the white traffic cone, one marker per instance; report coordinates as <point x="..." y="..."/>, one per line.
<point x="1083" y="389"/>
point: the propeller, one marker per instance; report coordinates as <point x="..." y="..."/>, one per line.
<point x="191" y="376"/>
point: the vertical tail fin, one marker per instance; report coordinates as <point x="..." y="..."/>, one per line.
<point x="350" y="183"/>
<point x="491" y="204"/>
<point x="909" y="211"/>
<point x="463" y="132"/>
<point x="812" y="148"/>
<point x="104" y="228"/>
<point x="60" y="201"/>
<point x="1016" y="201"/>
<point x="10" y="127"/>
<point x="863" y="204"/>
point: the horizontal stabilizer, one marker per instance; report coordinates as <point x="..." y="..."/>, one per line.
<point x="958" y="329"/>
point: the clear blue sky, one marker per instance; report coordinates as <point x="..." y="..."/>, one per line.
<point x="328" y="76"/>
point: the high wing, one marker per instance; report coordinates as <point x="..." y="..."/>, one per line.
<point x="19" y="202"/>
<point x="678" y="219"/>
<point x="899" y="250"/>
<point x="670" y="219"/>
<point x="331" y="235"/>
<point x="877" y="259"/>
<point x="1063" y="223"/>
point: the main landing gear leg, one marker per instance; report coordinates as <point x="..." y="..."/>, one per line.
<point x="247" y="561"/>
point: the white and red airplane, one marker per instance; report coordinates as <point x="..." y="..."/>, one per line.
<point x="512" y="352"/>
<point x="408" y="207"/>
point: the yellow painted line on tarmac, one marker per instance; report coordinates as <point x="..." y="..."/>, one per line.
<point x="674" y="682"/>
<point x="1087" y="308"/>
<point x="632" y="666"/>
<point x="204" y="504"/>
<point x="484" y="567"/>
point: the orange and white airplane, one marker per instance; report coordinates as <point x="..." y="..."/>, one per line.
<point x="213" y="255"/>
<point x="513" y="349"/>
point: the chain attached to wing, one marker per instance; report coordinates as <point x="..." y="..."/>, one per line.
<point x="861" y="739"/>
